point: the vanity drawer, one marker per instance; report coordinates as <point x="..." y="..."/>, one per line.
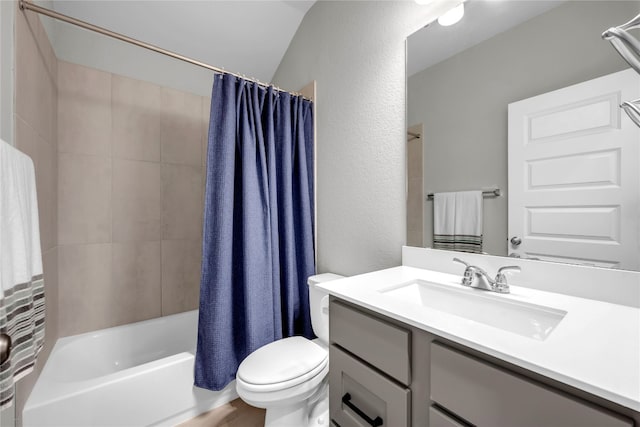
<point x="486" y="395"/>
<point x="438" y="418"/>
<point x="379" y="343"/>
<point x="359" y="394"/>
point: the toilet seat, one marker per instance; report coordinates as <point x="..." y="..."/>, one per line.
<point x="282" y="364"/>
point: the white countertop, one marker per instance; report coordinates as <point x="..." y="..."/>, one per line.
<point x="595" y="348"/>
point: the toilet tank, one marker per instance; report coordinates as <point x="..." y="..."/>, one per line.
<point x="319" y="305"/>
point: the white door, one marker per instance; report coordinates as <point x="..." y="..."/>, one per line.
<point x="573" y="174"/>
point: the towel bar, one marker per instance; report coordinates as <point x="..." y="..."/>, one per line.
<point x="485" y="193"/>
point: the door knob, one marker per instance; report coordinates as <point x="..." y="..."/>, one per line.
<point x="515" y="241"/>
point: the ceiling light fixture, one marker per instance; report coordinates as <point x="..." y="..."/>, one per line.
<point x="452" y="16"/>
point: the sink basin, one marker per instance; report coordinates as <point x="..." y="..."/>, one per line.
<point x="529" y="320"/>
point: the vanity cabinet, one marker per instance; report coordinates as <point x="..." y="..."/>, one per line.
<point x="485" y="395"/>
<point x="365" y="396"/>
<point x="384" y="371"/>
<point x="369" y="371"/>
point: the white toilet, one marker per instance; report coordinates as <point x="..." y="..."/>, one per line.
<point x="289" y="377"/>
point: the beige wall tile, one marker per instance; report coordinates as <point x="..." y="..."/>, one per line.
<point x="84" y="199"/>
<point x="116" y="201"/>
<point x="34" y="89"/>
<point x="84" y="110"/>
<point x="50" y="266"/>
<point x="415" y="212"/>
<point x="181" y="202"/>
<point x="136" y="201"/>
<point x="52" y="62"/>
<point x="181" y="130"/>
<point x="136" y="119"/>
<point x="106" y="285"/>
<point x="47" y="188"/>
<point x="26" y="139"/>
<point x="415" y="192"/>
<point x="86" y="297"/>
<point x="136" y="281"/>
<point x="180" y="275"/>
<point x="45" y="163"/>
<point x="42" y="41"/>
<point x="414" y="158"/>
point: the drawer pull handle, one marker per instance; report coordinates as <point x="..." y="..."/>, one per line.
<point x="346" y="399"/>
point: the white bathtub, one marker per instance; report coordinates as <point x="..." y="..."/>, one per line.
<point x="139" y="374"/>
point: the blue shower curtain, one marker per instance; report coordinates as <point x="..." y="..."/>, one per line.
<point x="257" y="250"/>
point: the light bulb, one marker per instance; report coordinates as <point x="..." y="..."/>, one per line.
<point x="452" y="16"/>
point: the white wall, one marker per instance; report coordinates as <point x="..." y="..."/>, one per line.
<point x="355" y="50"/>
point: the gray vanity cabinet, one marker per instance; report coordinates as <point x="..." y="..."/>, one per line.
<point x="369" y="371"/>
<point x="386" y="373"/>
<point x="439" y="418"/>
<point x="485" y="395"/>
<point x="365" y="397"/>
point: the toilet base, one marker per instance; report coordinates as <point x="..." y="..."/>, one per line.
<point x="313" y="412"/>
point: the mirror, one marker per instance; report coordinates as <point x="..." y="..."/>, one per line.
<point x="460" y="82"/>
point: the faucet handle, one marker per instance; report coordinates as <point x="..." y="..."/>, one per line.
<point x="501" y="279"/>
<point x="509" y="267"/>
<point x="466" y="264"/>
<point x="468" y="272"/>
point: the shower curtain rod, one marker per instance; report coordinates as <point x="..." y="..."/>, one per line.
<point x="87" y="26"/>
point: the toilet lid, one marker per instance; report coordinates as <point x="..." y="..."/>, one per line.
<point x="283" y="361"/>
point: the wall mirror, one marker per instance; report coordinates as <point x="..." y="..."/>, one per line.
<point x="461" y="80"/>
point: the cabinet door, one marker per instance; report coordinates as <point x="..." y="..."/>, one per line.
<point x="360" y="396"/>
<point x="487" y="395"/>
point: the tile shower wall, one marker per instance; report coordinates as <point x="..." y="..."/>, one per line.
<point x="130" y="173"/>
<point x="35" y="116"/>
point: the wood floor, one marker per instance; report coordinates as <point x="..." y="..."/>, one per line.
<point x="233" y="414"/>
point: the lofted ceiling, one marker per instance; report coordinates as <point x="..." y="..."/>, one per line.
<point x="247" y="37"/>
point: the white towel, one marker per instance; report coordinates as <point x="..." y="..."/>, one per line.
<point x="457" y="221"/>
<point x="21" y="283"/>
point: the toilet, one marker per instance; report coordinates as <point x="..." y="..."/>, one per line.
<point x="288" y="377"/>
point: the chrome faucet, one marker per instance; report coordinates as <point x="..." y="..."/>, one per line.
<point x="476" y="277"/>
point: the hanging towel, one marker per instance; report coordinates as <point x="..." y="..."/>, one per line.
<point x="457" y="221"/>
<point x="21" y="282"/>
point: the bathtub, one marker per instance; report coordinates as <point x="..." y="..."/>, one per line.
<point x="139" y="374"/>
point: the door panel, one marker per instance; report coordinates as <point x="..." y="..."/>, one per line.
<point x="573" y="174"/>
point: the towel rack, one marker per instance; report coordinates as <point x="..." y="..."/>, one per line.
<point x="629" y="48"/>
<point x="485" y="193"/>
<point x="626" y="45"/>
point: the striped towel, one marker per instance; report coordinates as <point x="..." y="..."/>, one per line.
<point x="21" y="283"/>
<point x="457" y="221"/>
